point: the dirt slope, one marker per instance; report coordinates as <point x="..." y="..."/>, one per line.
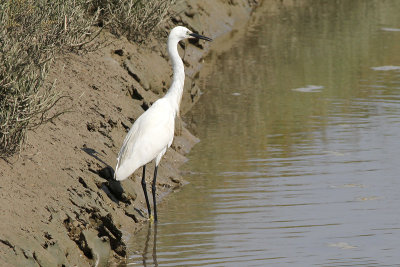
<point x="58" y="206"/>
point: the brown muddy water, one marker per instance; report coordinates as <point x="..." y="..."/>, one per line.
<point x="299" y="159"/>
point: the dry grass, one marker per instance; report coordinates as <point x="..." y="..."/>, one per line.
<point x="33" y="32"/>
<point x="135" y="19"/>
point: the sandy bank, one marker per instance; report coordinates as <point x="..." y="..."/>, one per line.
<point x="58" y="206"/>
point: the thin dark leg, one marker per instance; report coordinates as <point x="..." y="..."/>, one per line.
<point x="145" y="190"/>
<point x="153" y="191"/>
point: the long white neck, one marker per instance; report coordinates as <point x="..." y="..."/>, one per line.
<point x="174" y="93"/>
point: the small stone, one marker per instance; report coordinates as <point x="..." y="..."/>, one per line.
<point x="190" y="13"/>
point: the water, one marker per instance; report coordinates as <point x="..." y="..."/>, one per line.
<point x="299" y="159"/>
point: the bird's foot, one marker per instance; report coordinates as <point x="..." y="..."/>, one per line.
<point x="151" y="219"/>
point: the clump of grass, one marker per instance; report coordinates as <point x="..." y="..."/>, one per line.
<point x="135" y="19"/>
<point x="32" y="33"/>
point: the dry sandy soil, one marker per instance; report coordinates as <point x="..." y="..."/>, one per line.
<point x="58" y="204"/>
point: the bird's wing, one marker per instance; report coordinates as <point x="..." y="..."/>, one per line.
<point x="151" y="133"/>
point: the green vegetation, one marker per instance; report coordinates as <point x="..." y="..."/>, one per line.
<point x="33" y="32"/>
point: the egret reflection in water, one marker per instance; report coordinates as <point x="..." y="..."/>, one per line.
<point x="148" y="254"/>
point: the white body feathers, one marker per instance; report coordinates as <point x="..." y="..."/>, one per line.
<point x="149" y="138"/>
<point x="153" y="132"/>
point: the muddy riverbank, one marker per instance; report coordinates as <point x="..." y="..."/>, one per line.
<point x="59" y="207"/>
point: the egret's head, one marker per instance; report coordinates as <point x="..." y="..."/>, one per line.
<point x="180" y="33"/>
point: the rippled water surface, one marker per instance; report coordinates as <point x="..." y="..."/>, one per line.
<point x="299" y="163"/>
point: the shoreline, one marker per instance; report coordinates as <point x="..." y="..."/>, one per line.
<point x="59" y="206"/>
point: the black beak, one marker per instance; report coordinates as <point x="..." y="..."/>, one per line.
<point x="198" y="36"/>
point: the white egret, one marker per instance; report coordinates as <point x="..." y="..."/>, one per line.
<point x="152" y="133"/>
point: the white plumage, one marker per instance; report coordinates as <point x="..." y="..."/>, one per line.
<point x="150" y="136"/>
<point x="153" y="132"/>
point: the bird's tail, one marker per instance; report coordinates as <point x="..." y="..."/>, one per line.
<point x="124" y="170"/>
